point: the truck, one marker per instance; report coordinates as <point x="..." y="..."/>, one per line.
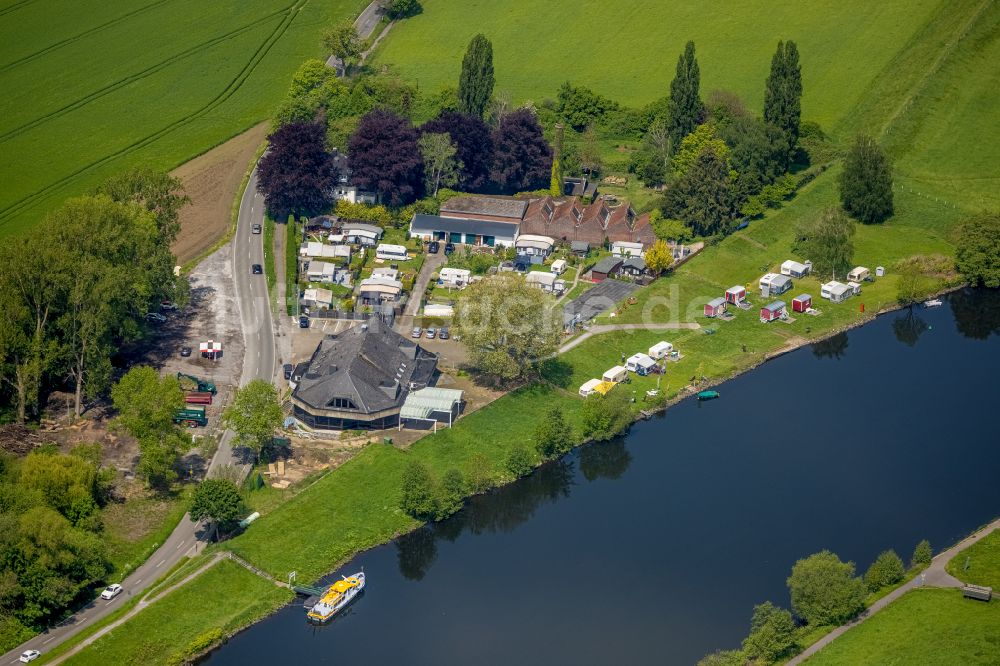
<point x="196" y="398"/>
<point x="194" y="384"/>
<point x="191" y="416"/>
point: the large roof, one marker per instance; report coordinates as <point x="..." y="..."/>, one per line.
<point x="496" y="206"/>
<point x="371" y="366"/>
<point x="425" y="224"/>
<point x="421" y="404"/>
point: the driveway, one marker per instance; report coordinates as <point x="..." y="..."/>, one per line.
<point x="432" y="263"/>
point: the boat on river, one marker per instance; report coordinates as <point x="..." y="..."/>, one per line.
<point x="337" y="597"/>
<point x="708" y="395"/>
<point x="933" y="303"/>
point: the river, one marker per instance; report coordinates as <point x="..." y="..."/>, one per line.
<point x="653" y="549"/>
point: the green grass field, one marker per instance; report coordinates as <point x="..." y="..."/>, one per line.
<point x="91" y="88"/>
<point x="979" y="564"/>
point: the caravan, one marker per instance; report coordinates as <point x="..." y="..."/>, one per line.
<point x="391" y="252"/>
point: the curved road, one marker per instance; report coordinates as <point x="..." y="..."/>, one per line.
<point x="189" y="537"/>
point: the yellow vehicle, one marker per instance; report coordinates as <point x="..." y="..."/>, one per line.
<point x="337" y="597"/>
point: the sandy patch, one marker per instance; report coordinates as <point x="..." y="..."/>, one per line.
<point x="211" y="180"/>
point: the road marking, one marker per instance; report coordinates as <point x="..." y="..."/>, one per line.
<point x="139" y="580"/>
<point x="161" y="563"/>
<point x="47" y="640"/>
<point x="179" y="545"/>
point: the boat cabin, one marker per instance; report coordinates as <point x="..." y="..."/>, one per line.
<point x="715" y="307"/>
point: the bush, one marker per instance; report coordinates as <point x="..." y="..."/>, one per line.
<point x="605" y="417"/>
<point x="977" y="256"/>
<point x="772" y="633"/>
<point x="519" y="462"/>
<point x="451" y="494"/>
<point x="887" y="569"/>
<point x="419" y="499"/>
<point x="401" y="9"/>
<point x="825" y="590"/>
<point x="922" y="554"/>
<point x="553" y="435"/>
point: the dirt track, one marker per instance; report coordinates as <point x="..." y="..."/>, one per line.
<point x="211" y="181"/>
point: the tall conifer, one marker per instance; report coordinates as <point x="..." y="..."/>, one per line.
<point x="684" y="106"/>
<point x="475" y="85"/>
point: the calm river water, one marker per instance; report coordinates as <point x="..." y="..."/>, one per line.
<point x="654" y="548"/>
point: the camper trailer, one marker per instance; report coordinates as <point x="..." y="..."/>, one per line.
<point x="858" y="274"/>
<point x="774" y="284"/>
<point x="835" y="292"/>
<point x="641" y="364"/>
<point x="616" y="375"/>
<point x="661" y="349"/>
<point x="795" y="269"/>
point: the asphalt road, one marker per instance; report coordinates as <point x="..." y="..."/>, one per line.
<point x="190" y="537"/>
<point x="365" y="25"/>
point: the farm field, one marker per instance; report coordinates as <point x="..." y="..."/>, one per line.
<point x="628" y="53"/>
<point x="92" y="88"/>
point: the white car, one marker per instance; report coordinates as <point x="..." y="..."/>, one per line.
<point x="111" y="591"/>
<point x="29" y="655"/>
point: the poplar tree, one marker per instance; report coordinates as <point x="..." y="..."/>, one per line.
<point x="866" y="182"/>
<point x="556" y="182"/>
<point x="475" y="85"/>
<point x="684" y="105"/>
<point x="783" y="93"/>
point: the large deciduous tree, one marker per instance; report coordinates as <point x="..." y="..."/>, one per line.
<point x="473" y="146"/>
<point x="522" y="159"/>
<point x="825" y="590"/>
<point x="156" y="191"/>
<point x="218" y="500"/>
<point x="828" y="242"/>
<point x="703" y="196"/>
<point x="296" y="174"/>
<point x="475" y="84"/>
<point x="757" y="152"/>
<point x="384" y="154"/>
<point x="685" y="109"/>
<point x="507" y="325"/>
<point x="977" y="256"/>
<point x="866" y="182"/>
<point x="254" y="415"/>
<point x="440" y="165"/>
<point x="342" y="41"/>
<point x="783" y="94"/>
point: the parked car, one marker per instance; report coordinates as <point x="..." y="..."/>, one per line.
<point x="443" y="333"/>
<point x="255" y="229"/>
<point x="431" y="333"/>
<point x="29" y="655"/>
<point x="303" y="322"/>
<point x="434" y="247"/>
<point x="449" y="248"/>
<point x="185" y="351"/>
<point x="288" y="368"/>
<point x="415" y="333"/>
<point x="155" y="317"/>
<point x="256" y="269"/>
<point x="168" y="305"/>
<point x="111" y="591"/>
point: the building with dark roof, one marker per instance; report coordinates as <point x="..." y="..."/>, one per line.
<point x="464" y="230"/>
<point x="345" y="189"/>
<point x="359" y="379"/>
<point x="569" y="220"/>
<point x="500" y="209"/>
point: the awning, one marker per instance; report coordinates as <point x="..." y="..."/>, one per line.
<point x="419" y="405"/>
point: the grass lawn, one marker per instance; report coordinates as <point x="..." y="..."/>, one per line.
<point x="628" y="52"/>
<point x="226" y="597"/>
<point x="928" y="626"/>
<point x="983" y="560"/>
<point x="91" y="88"/>
<point x="134" y="529"/>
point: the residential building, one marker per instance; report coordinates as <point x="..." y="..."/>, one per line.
<point x="464" y="230"/>
<point x="344" y="189"/>
<point x="633" y="268"/>
<point x="546" y="281"/>
<point x="496" y="209"/>
<point x="376" y="290"/>
<point x="315" y="297"/>
<point x="361" y="233"/>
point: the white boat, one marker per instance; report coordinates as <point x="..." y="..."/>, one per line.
<point x="933" y="303"/>
<point x="337" y="597"/>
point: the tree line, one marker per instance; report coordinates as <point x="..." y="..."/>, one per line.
<point x="77" y="286"/>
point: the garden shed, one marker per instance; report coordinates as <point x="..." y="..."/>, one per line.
<point x="801" y="303"/>
<point x="616" y="374"/>
<point x="715" y="307"/>
<point x="736" y="295"/>
<point x="772" y="311"/>
<point x="661" y="349"/>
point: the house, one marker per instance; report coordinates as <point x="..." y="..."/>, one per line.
<point x="375" y="290"/>
<point x="715" y="307"/>
<point x="661" y="349"/>
<point x="632" y="267"/>
<point x="496" y="209"/>
<point x="615" y="375"/>
<point x="579" y="248"/>
<point x="773" y="284"/>
<point x="587" y="388"/>
<point x="580" y="187"/>
<point x="858" y="274"/>
<point x="360" y="378"/>
<point x="315" y="297"/>
<point x="359" y="233"/>
<point x="641" y="364"/>
<point x="464" y="230"/>
<point x="795" y="269"/>
<point x="627" y="249"/>
<point x="836" y="292"/>
<point x="321" y="271"/>
<point x="736" y="295"/>
<point x="542" y="280"/>
<point x="558" y="266"/>
<point x="345" y="189"/>
<point x="454" y="277"/>
<point x="772" y="311"/>
<point x="604" y="268"/>
<point x="570" y="221"/>
<point x="801" y="303"/>
<point x="534" y="248"/>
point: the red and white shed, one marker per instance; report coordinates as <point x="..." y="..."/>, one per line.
<point x="736" y="295"/>
<point x="772" y="311"/>
<point x="801" y="303"/>
<point x="715" y="307"/>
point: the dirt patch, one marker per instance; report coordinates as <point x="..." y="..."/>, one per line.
<point x="211" y="180"/>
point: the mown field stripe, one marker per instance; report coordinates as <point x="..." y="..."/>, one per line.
<point x="16" y="5"/>
<point x="228" y="92"/>
<point x="138" y="76"/>
<point x="85" y="33"/>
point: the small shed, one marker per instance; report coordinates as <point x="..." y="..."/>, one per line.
<point x="715" y="307"/>
<point x="736" y="295"/>
<point x="315" y="297"/>
<point x="661" y="349"/>
<point x="801" y="303"/>
<point x="880" y="271"/>
<point x="641" y="364"/>
<point x="772" y="311"/>
<point x="615" y="374"/>
<point x="558" y="266"/>
<point x="858" y="274"/>
<point x="795" y="269"/>
<point x="580" y="248"/>
<point x="835" y="292"/>
<point x="588" y="387"/>
<point x="605" y="267"/>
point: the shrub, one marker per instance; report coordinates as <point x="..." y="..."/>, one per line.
<point x="922" y="554"/>
<point x="887" y="569"/>
<point x="825" y="590"/>
<point x="977" y="256"/>
<point x="451" y="494"/>
<point x="553" y="435"/>
<point x="519" y="462"/>
<point x="418" y="499"/>
<point x="604" y="417"/>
